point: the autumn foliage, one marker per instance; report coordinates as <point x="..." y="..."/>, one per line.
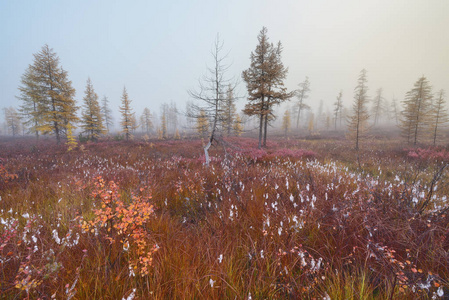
<point x="123" y="223"/>
<point x="298" y="220"/>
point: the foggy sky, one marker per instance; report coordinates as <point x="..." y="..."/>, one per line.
<point x="159" y="49"/>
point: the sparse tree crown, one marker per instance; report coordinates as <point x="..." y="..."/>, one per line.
<point x="12" y="119"/>
<point x="128" y="119"/>
<point x="338" y="110"/>
<point x="265" y="83"/>
<point x="357" y="122"/>
<point x="378" y="106"/>
<point x="210" y="97"/>
<point x="416" y="113"/>
<point x="145" y="120"/>
<point x="302" y="94"/>
<point x="286" y="121"/>
<point x="439" y="116"/>
<point x="107" y="113"/>
<point x="91" y="116"/>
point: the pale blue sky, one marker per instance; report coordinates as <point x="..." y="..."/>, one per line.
<point x="159" y="49"/>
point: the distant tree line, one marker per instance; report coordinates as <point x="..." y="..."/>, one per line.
<point x="423" y="117"/>
<point x="47" y="105"/>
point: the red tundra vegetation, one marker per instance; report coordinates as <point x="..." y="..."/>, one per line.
<point x="297" y="220"/>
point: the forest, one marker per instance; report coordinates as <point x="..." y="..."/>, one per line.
<point x="46" y="106"/>
<point x="342" y="203"/>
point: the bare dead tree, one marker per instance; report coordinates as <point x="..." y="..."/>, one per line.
<point x="211" y="94"/>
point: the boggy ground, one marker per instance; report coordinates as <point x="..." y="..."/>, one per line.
<point x="302" y="219"/>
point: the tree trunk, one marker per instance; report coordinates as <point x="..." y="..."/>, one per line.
<point x="260" y="131"/>
<point x="206" y="152"/>
<point x="265" y="131"/>
<point x="262" y="107"/>
<point x="298" y="116"/>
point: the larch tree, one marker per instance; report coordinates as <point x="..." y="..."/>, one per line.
<point x="56" y="105"/>
<point x="172" y="116"/>
<point x="228" y="110"/>
<point x="32" y="108"/>
<point x="265" y="83"/>
<point x="107" y="114"/>
<point x="439" y="116"/>
<point x="71" y="141"/>
<point x="394" y="110"/>
<point x="210" y="96"/>
<point x="177" y="135"/>
<point x="286" y="121"/>
<point x="378" y="106"/>
<point x="128" y="118"/>
<point x="416" y="112"/>
<point x="386" y="112"/>
<point x="357" y="121"/>
<point x="145" y="120"/>
<point x="91" y="116"/>
<point x="164" y="112"/>
<point x="13" y="121"/>
<point x="237" y="126"/>
<point x="190" y="113"/>
<point x="338" y="109"/>
<point x="302" y="94"/>
<point x="279" y="93"/>
<point x="202" y="124"/>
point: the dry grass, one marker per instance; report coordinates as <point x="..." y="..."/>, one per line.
<point x="299" y="220"/>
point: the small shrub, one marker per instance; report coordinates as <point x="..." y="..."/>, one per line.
<point x="118" y="222"/>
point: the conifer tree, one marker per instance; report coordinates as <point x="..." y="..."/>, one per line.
<point x="378" y="106"/>
<point x="91" y="115"/>
<point x="286" y="121"/>
<point x="439" y="115"/>
<point x="31" y="109"/>
<point x="71" y="141"/>
<point x="164" y="121"/>
<point x="302" y="94"/>
<point x="357" y="124"/>
<point x="265" y="83"/>
<point x="202" y="124"/>
<point x="237" y="127"/>
<point x="145" y="120"/>
<point x="190" y="114"/>
<point x="172" y="117"/>
<point x="159" y="134"/>
<point x="13" y="122"/>
<point x="53" y="92"/>
<point x="134" y="123"/>
<point x="338" y="109"/>
<point x="417" y="108"/>
<point x="394" y="110"/>
<point x="107" y="114"/>
<point x="228" y="110"/>
<point x="128" y="118"/>
<point x="177" y="136"/>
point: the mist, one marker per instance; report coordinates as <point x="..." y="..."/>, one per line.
<point x="158" y="51"/>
